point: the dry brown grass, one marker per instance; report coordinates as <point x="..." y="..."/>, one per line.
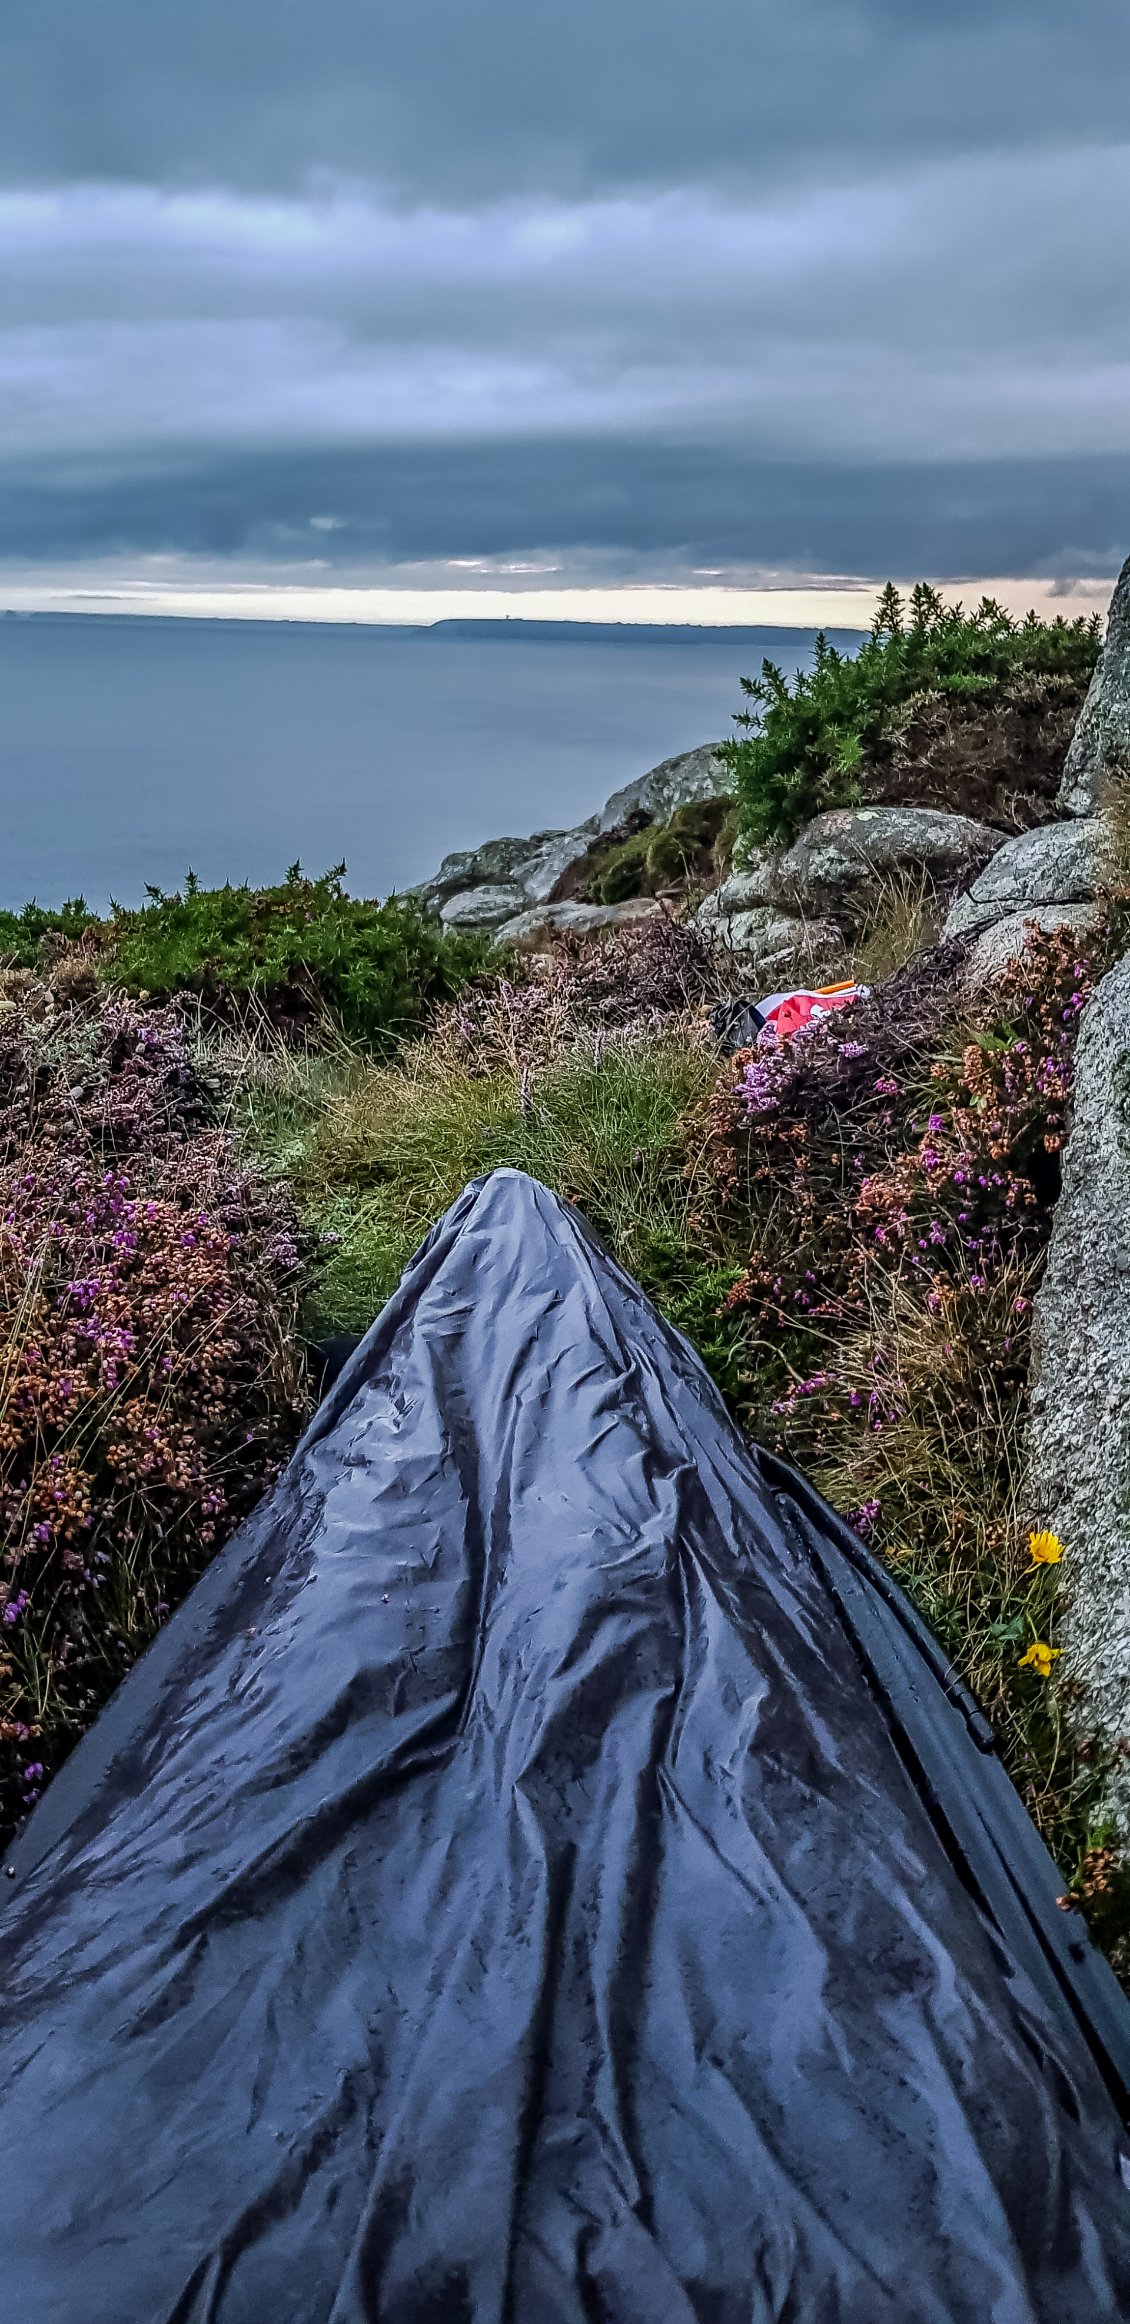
<point x="927" y="1419"/>
<point x="904" y="918"/>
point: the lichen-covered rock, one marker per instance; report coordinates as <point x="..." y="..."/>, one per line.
<point x="533" y="866"/>
<point x="477" y="867"/>
<point x="539" y="873"/>
<point x="1004" y="941"/>
<point x="751" y="889"/>
<point x="754" y="882"/>
<point x="532" y="930"/>
<point x="965" y="913"/>
<point x="772" y="944"/>
<point x="484" y="907"/>
<point x="1079" y="1431"/>
<point x="835" y="862"/>
<point x="1058" y="863"/>
<point x="1099" y="750"/>
<point x="674" y="783"/>
<point x="706" y="920"/>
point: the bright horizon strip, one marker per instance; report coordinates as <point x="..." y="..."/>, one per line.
<point x="807" y="605"/>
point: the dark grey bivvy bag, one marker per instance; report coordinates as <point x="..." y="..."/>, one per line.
<point x="545" y="1874"/>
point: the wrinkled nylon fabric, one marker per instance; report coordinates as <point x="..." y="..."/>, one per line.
<point x="508" y="1892"/>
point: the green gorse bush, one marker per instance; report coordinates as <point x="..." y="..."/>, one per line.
<point x="806" y="742"/>
<point x="304" y="948"/>
<point x="22" y="933"/>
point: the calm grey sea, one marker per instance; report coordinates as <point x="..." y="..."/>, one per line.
<point x="133" y="748"/>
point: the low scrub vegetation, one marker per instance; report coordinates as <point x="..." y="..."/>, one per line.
<point x="22" y="933"/>
<point x="893" y="1174"/>
<point x="582" y="1073"/>
<point x="149" y="1378"/>
<point x="828" y="737"/>
<point x="304" y="951"/>
<point x="850" y="1227"/>
<point x="904" y="918"/>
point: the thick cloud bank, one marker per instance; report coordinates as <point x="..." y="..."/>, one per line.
<point x="439" y="100"/>
<point x="619" y="291"/>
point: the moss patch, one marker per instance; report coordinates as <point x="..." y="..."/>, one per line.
<point x="638" y="858"/>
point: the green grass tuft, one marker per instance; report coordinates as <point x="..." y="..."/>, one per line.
<point x="378" y="1152"/>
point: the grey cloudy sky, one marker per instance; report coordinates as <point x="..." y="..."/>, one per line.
<point x="322" y="294"/>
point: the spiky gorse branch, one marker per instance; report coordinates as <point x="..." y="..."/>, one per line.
<point x="805" y="740"/>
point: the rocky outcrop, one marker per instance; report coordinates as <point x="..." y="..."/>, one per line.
<point x="782" y="914"/>
<point x="530" y="868"/>
<point x="532" y="930"/>
<point x="468" y="887"/>
<point x="833" y="866"/>
<point x="776" y="946"/>
<point x="786" y="914"/>
<point x="693" y="774"/>
<point x="484" y="907"/>
<point x="1059" y="863"/>
<point x="769" y="946"/>
<point x="1079" y="1431"/>
<point x="755" y="883"/>
<point x="1099" y="751"/>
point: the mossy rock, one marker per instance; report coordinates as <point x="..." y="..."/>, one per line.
<point x="692" y="850"/>
<point x="623" y="873"/>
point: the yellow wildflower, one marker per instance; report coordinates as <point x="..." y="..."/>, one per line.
<point x="1039" y="1658"/>
<point x="1045" y="1548"/>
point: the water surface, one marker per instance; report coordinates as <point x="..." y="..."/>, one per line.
<point x="132" y="748"/>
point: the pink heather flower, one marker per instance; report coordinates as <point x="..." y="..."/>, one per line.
<point x="862" y="1519"/>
